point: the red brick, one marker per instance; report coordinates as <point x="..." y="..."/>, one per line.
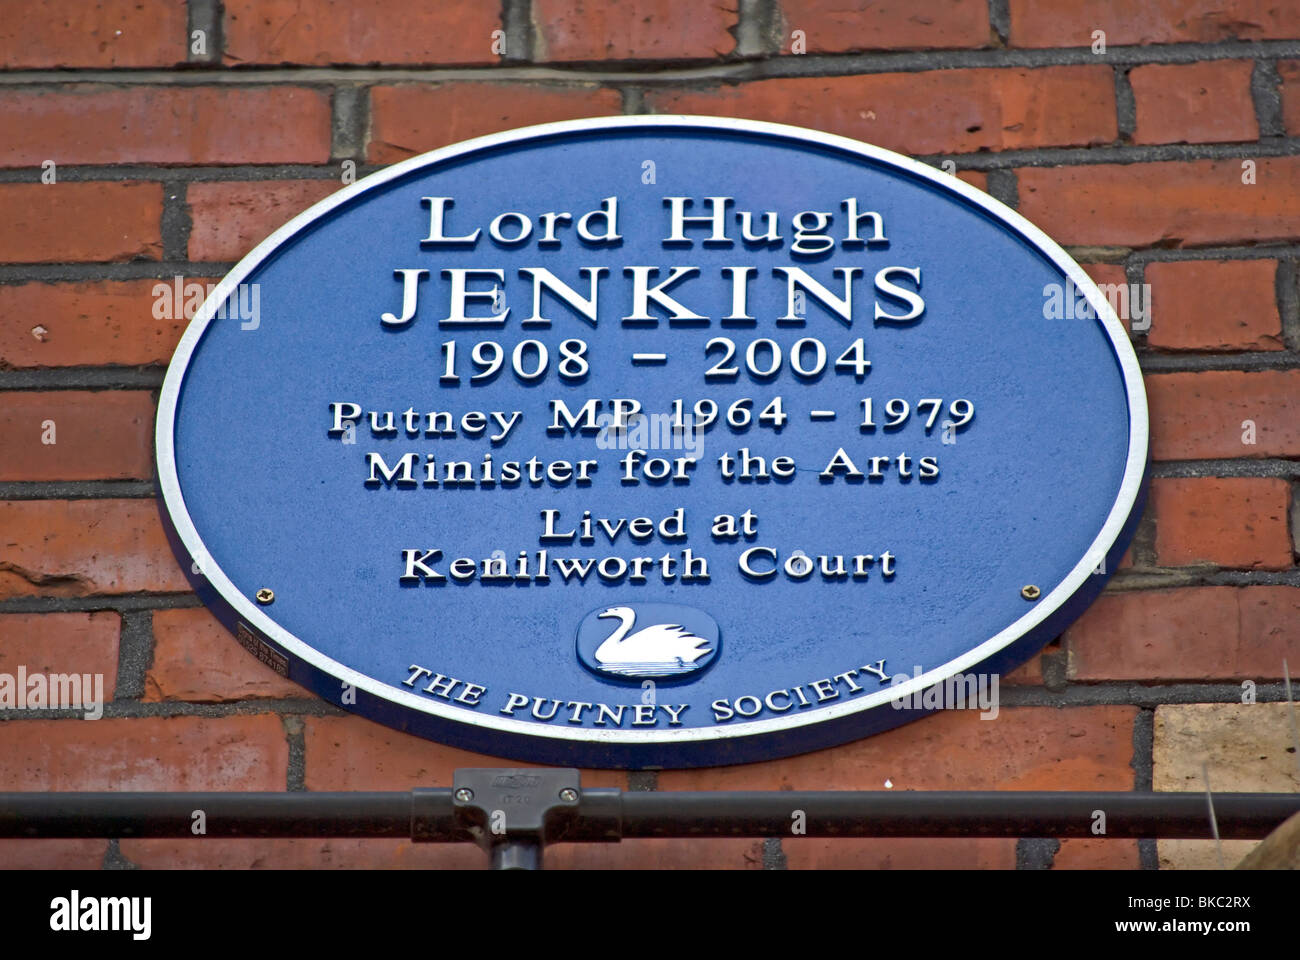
<point x="195" y="659"/>
<point x="81" y="547"/>
<point x="1206" y="102"/>
<point x="52" y="854"/>
<point x="78" y="222"/>
<point x="61" y="643"/>
<point x="1229" y="522"/>
<point x="1080" y="853"/>
<point x="409" y="120"/>
<point x="1212" y="414"/>
<point x="939" y="111"/>
<point x="1105" y="273"/>
<point x="218" y="853"/>
<point x="836" y="26"/>
<point x="1192" y="633"/>
<point x="1289" y="72"/>
<point x="84" y="324"/>
<point x="98" y="435"/>
<point x="1168" y="204"/>
<point x="41" y="34"/>
<point x="1270" y="620"/>
<point x="899" y="853"/>
<point x="352" y="753"/>
<point x="1023" y="748"/>
<point x="342" y="854"/>
<point x="1214" y="305"/>
<point x="360" y="31"/>
<point x="85" y="123"/>
<point x="145" y="753"/>
<point x="1070" y="23"/>
<point x="229" y="219"/>
<point x="1030" y="673"/>
<point x="657" y="29"/>
<point x="724" y="853"/>
<point x="180" y="296"/>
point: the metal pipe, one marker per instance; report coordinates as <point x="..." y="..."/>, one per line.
<point x="952" y="814"/>
<point x="223" y="814"/>
<point x="606" y="814"/>
<point x="521" y="855"/>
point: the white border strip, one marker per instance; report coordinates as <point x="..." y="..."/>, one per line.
<point x="1123" y="506"/>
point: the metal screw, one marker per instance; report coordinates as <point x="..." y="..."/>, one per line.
<point x="265" y="596"/>
<point x="1030" y="592"/>
<point x="464" y="795"/>
<point x="568" y="795"/>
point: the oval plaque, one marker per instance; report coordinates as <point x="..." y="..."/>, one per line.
<point x="654" y="441"/>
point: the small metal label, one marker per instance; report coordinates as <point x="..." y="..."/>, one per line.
<point x="262" y="650"/>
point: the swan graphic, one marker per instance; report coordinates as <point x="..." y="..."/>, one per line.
<point x="662" y="649"/>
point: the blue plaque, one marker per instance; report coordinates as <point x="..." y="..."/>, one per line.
<point x="652" y="441"/>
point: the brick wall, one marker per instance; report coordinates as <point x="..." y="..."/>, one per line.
<point x="1170" y="157"/>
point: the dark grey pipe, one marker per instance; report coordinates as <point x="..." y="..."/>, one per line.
<point x="952" y="814"/>
<point x="606" y="814"/>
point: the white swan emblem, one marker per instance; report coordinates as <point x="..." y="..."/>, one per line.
<point x="658" y="650"/>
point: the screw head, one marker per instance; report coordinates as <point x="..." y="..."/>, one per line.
<point x="265" y="596"/>
<point x="568" y="795"/>
<point x="464" y="795"/>
<point x="1030" y="592"/>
